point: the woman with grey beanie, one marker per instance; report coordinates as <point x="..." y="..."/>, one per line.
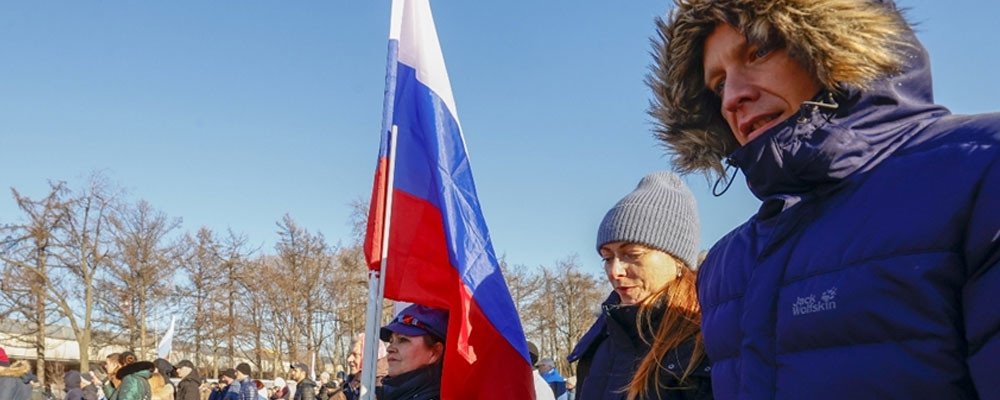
<point x="647" y="343"/>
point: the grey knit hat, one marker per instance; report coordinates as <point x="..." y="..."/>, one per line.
<point x="660" y="213"/>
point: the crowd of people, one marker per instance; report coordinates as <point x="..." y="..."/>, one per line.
<point x="868" y="271"/>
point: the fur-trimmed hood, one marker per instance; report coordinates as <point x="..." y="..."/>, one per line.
<point x="845" y="43"/>
<point x="17" y="369"/>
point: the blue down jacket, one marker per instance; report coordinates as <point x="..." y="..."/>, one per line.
<point x="870" y="270"/>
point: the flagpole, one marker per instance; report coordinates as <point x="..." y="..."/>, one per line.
<point x="376" y="287"/>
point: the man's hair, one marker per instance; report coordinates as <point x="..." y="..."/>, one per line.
<point x="842" y="42"/>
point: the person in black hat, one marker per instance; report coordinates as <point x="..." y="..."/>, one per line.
<point x="416" y="349"/>
<point x="248" y="390"/>
<point x="305" y="388"/>
<point x="187" y="389"/>
<point x="231" y="390"/>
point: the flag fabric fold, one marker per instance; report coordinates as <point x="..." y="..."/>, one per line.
<point x="439" y="251"/>
<point x="166" y="344"/>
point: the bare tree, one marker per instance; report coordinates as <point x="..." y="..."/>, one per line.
<point x="25" y="253"/>
<point x="202" y="265"/>
<point x="142" y="270"/>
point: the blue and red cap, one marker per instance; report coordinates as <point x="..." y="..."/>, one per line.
<point x="417" y="320"/>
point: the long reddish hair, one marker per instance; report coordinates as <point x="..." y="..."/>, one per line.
<point x="681" y="322"/>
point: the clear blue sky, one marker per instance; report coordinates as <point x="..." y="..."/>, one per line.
<point x="233" y="113"/>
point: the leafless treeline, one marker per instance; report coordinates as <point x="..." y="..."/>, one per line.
<point x="113" y="270"/>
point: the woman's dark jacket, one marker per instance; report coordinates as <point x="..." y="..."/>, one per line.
<point x="419" y="384"/>
<point x="610" y="352"/>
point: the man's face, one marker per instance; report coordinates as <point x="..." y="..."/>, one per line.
<point x="298" y="374"/>
<point x="354" y="359"/>
<point x="759" y="87"/>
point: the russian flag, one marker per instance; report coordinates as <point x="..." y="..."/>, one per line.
<point x="439" y="250"/>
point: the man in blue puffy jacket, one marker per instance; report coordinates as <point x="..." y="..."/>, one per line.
<point x="870" y="269"/>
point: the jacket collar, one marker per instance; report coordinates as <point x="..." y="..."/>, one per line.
<point x="840" y="133"/>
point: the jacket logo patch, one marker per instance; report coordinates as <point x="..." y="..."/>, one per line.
<point x="809" y="305"/>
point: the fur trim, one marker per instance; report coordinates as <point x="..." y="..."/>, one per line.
<point x="844" y="42"/>
<point x="159" y="388"/>
<point x="17" y="369"/>
<point x="133" y="368"/>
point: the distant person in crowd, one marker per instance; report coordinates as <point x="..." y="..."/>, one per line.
<point x="12" y="385"/>
<point x="416" y="339"/>
<point x="571" y="387"/>
<point x="160" y="385"/>
<point x="167" y="370"/>
<point x="215" y="390"/>
<point x="188" y="387"/>
<point x="281" y="391"/>
<point x="872" y="267"/>
<point x="646" y="343"/>
<point x="111" y="366"/>
<point x="91" y="386"/>
<point x="352" y="383"/>
<point x="542" y="389"/>
<point x="248" y="390"/>
<point x="547" y="369"/>
<point x="231" y="390"/>
<point x="332" y="391"/>
<point x="305" y="388"/>
<point x="134" y="377"/>
<point x="261" y="390"/>
<point x="73" y="386"/>
<point x="37" y="392"/>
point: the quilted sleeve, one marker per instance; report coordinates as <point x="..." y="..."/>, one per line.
<point x="982" y="289"/>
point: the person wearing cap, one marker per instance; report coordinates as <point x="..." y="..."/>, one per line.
<point x="230" y="389"/>
<point x="305" y="388"/>
<point x="248" y="391"/>
<point x="416" y="339"/>
<point x="646" y="343"/>
<point x="542" y="389"/>
<point x="188" y="387"/>
<point x="134" y="376"/>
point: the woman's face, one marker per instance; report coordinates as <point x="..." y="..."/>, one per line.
<point x="636" y="271"/>
<point x="408" y="353"/>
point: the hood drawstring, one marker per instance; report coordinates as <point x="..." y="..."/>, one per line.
<point x="725" y="178"/>
<point x="814" y="106"/>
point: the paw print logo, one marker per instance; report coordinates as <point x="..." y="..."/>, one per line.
<point x="829" y="294"/>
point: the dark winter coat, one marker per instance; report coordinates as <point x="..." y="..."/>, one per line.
<point x="870" y="270"/>
<point x="419" y="384"/>
<point x="610" y="352"/>
<point x="305" y="390"/>
<point x="72" y="384"/>
<point x="189" y="387"/>
<point x="135" y="384"/>
<point x="91" y="392"/>
<point x="11" y="385"/>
